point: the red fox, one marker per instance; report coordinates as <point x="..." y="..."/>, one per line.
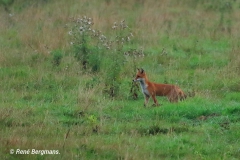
<point x="172" y="92"/>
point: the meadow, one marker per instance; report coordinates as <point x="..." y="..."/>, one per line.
<point x="66" y="70"/>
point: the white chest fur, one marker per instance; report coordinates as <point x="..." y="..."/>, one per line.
<point x="144" y="87"/>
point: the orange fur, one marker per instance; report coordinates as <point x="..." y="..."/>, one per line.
<point x="172" y="92"/>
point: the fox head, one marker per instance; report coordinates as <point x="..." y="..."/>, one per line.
<point x="140" y="76"/>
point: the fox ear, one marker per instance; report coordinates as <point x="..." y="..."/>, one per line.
<point x="142" y="71"/>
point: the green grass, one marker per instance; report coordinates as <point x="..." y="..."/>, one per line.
<point x="48" y="101"/>
<point x="195" y="128"/>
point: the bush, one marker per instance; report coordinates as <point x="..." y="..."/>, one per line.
<point x="91" y="47"/>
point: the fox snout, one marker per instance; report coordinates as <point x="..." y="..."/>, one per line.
<point x="137" y="79"/>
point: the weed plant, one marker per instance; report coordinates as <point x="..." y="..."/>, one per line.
<point x="89" y="45"/>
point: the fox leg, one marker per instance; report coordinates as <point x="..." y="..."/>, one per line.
<point x="146" y="100"/>
<point x="172" y="99"/>
<point x="182" y="95"/>
<point x="155" y="100"/>
<point x="173" y="96"/>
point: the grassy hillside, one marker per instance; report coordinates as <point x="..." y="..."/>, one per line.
<point x="68" y="88"/>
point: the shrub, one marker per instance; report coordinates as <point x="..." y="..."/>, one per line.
<point x="91" y="47"/>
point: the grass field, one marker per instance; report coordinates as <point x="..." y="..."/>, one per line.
<point x="51" y="100"/>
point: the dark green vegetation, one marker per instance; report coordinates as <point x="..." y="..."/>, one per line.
<point x="67" y="91"/>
